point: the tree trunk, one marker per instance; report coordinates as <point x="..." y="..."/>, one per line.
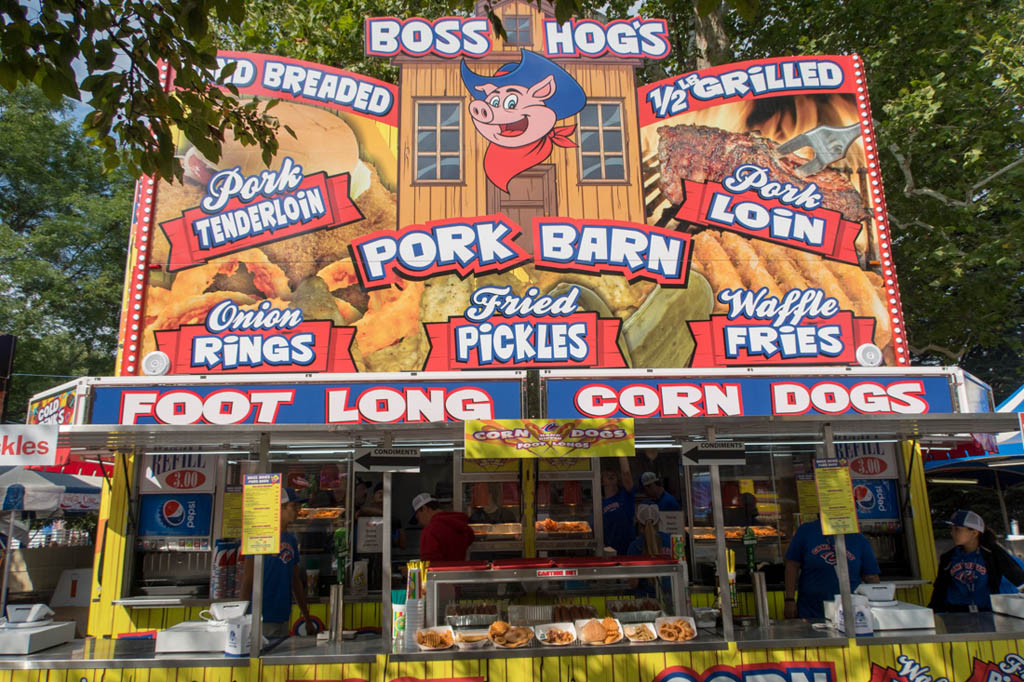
<point x="711" y="41"/>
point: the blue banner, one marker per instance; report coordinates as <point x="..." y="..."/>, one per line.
<point x="319" y="403"/>
<point x="741" y="396"/>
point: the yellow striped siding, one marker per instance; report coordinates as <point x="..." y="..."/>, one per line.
<point x="928" y="560"/>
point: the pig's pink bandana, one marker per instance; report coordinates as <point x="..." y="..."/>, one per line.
<point x="501" y="164"/>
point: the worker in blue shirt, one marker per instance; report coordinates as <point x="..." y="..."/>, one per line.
<point x="974" y="569"/>
<point x="656" y="491"/>
<point x="282" y="577"/>
<point x="617" y="505"/>
<point x="811" y="556"/>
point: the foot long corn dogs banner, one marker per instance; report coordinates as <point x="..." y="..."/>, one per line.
<point x="463" y="222"/>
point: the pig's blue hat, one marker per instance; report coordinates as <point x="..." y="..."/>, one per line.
<point x="532" y="68"/>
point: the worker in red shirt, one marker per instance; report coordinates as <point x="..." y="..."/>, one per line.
<point x="446" y="535"/>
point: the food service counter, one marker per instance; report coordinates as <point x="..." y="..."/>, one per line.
<point x="114" y="654"/>
<point x="949" y="627"/>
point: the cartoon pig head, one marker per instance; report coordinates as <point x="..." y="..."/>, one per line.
<point x="513" y="116"/>
<point x="515" y="110"/>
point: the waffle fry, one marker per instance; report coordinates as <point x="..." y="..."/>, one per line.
<point x="731" y="261"/>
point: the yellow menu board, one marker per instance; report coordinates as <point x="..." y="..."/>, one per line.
<point x="261" y="514"/>
<point x="806" y="495"/>
<point x="835" y="500"/>
<point x="231" y="516"/>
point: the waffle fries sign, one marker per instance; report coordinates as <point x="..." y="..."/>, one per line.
<point x="463" y="221"/>
<point x="549" y="439"/>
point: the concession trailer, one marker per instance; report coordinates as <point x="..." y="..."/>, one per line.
<point x="637" y="334"/>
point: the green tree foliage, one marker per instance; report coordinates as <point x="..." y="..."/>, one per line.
<point x="63" y="244"/>
<point x="123" y="47"/>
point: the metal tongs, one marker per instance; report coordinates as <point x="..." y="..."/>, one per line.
<point x="829" y="144"/>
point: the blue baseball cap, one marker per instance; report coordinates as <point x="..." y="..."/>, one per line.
<point x="291" y="495"/>
<point x="967" y="519"/>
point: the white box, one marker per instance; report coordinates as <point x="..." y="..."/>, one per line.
<point x="192" y="636"/>
<point x="1008" y="604"/>
<point x="32" y="639"/>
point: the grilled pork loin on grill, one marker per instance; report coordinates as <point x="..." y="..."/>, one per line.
<point x="701" y="153"/>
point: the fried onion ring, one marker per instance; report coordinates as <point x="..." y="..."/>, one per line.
<point x="392" y="315"/>
<point x="191" y="310"/>
<point x="339" y="274"/>
<point x="267" y="277"/>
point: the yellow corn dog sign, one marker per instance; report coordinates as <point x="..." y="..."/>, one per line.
<point x="549" y="438"/>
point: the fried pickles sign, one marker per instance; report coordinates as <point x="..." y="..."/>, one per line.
<point x="505" y="211"/>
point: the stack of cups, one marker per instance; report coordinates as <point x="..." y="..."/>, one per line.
<point x="414" y="618"/>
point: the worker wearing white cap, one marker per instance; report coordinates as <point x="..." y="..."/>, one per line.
<point x="656" y="491"/>
<point x="972" y="571"/>
<point x="446" y="535"/>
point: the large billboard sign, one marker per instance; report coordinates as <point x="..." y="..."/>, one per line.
<point x="772" y="166"/>
<point x="523" y="206"/>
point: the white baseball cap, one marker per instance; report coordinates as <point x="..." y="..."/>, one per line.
<point x="967" y="519"/>
<point x="648" y="478"/>
<point x="421" y="500"/>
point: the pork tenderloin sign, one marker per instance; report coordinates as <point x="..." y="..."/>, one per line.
<point x="462" y="222"/>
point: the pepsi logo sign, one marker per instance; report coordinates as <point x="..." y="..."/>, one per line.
<point x="175" y="513"/>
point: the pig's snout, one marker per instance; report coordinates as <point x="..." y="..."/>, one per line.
<point x="480" y="111"/>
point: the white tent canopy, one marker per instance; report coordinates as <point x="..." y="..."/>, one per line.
<point x="25" y="490"/>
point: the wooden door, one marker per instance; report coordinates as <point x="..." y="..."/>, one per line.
<point x="530" y="194"/>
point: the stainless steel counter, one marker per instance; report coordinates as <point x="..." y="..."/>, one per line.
<point x="307" y="651"/>
<point x="121" y="653"/>
<point x="949" y="627"/>
<point x="140" y="653"/>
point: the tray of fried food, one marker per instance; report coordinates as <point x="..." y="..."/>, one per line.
<point x="556" y="634"/>
<point x="320" y="512"/>
<point x="505" y="636"/>
<point x="572" y="612"/>
<point x="471" y="615"/>
<point x="471" y="639"/>
<point x="765" y="532"/>
<point x="641" y="632"/>
<point x="599" y="631"/>
<point x="676" y="628"/>
<point x="562" y="528"/>
<point x="435" y="639"/>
